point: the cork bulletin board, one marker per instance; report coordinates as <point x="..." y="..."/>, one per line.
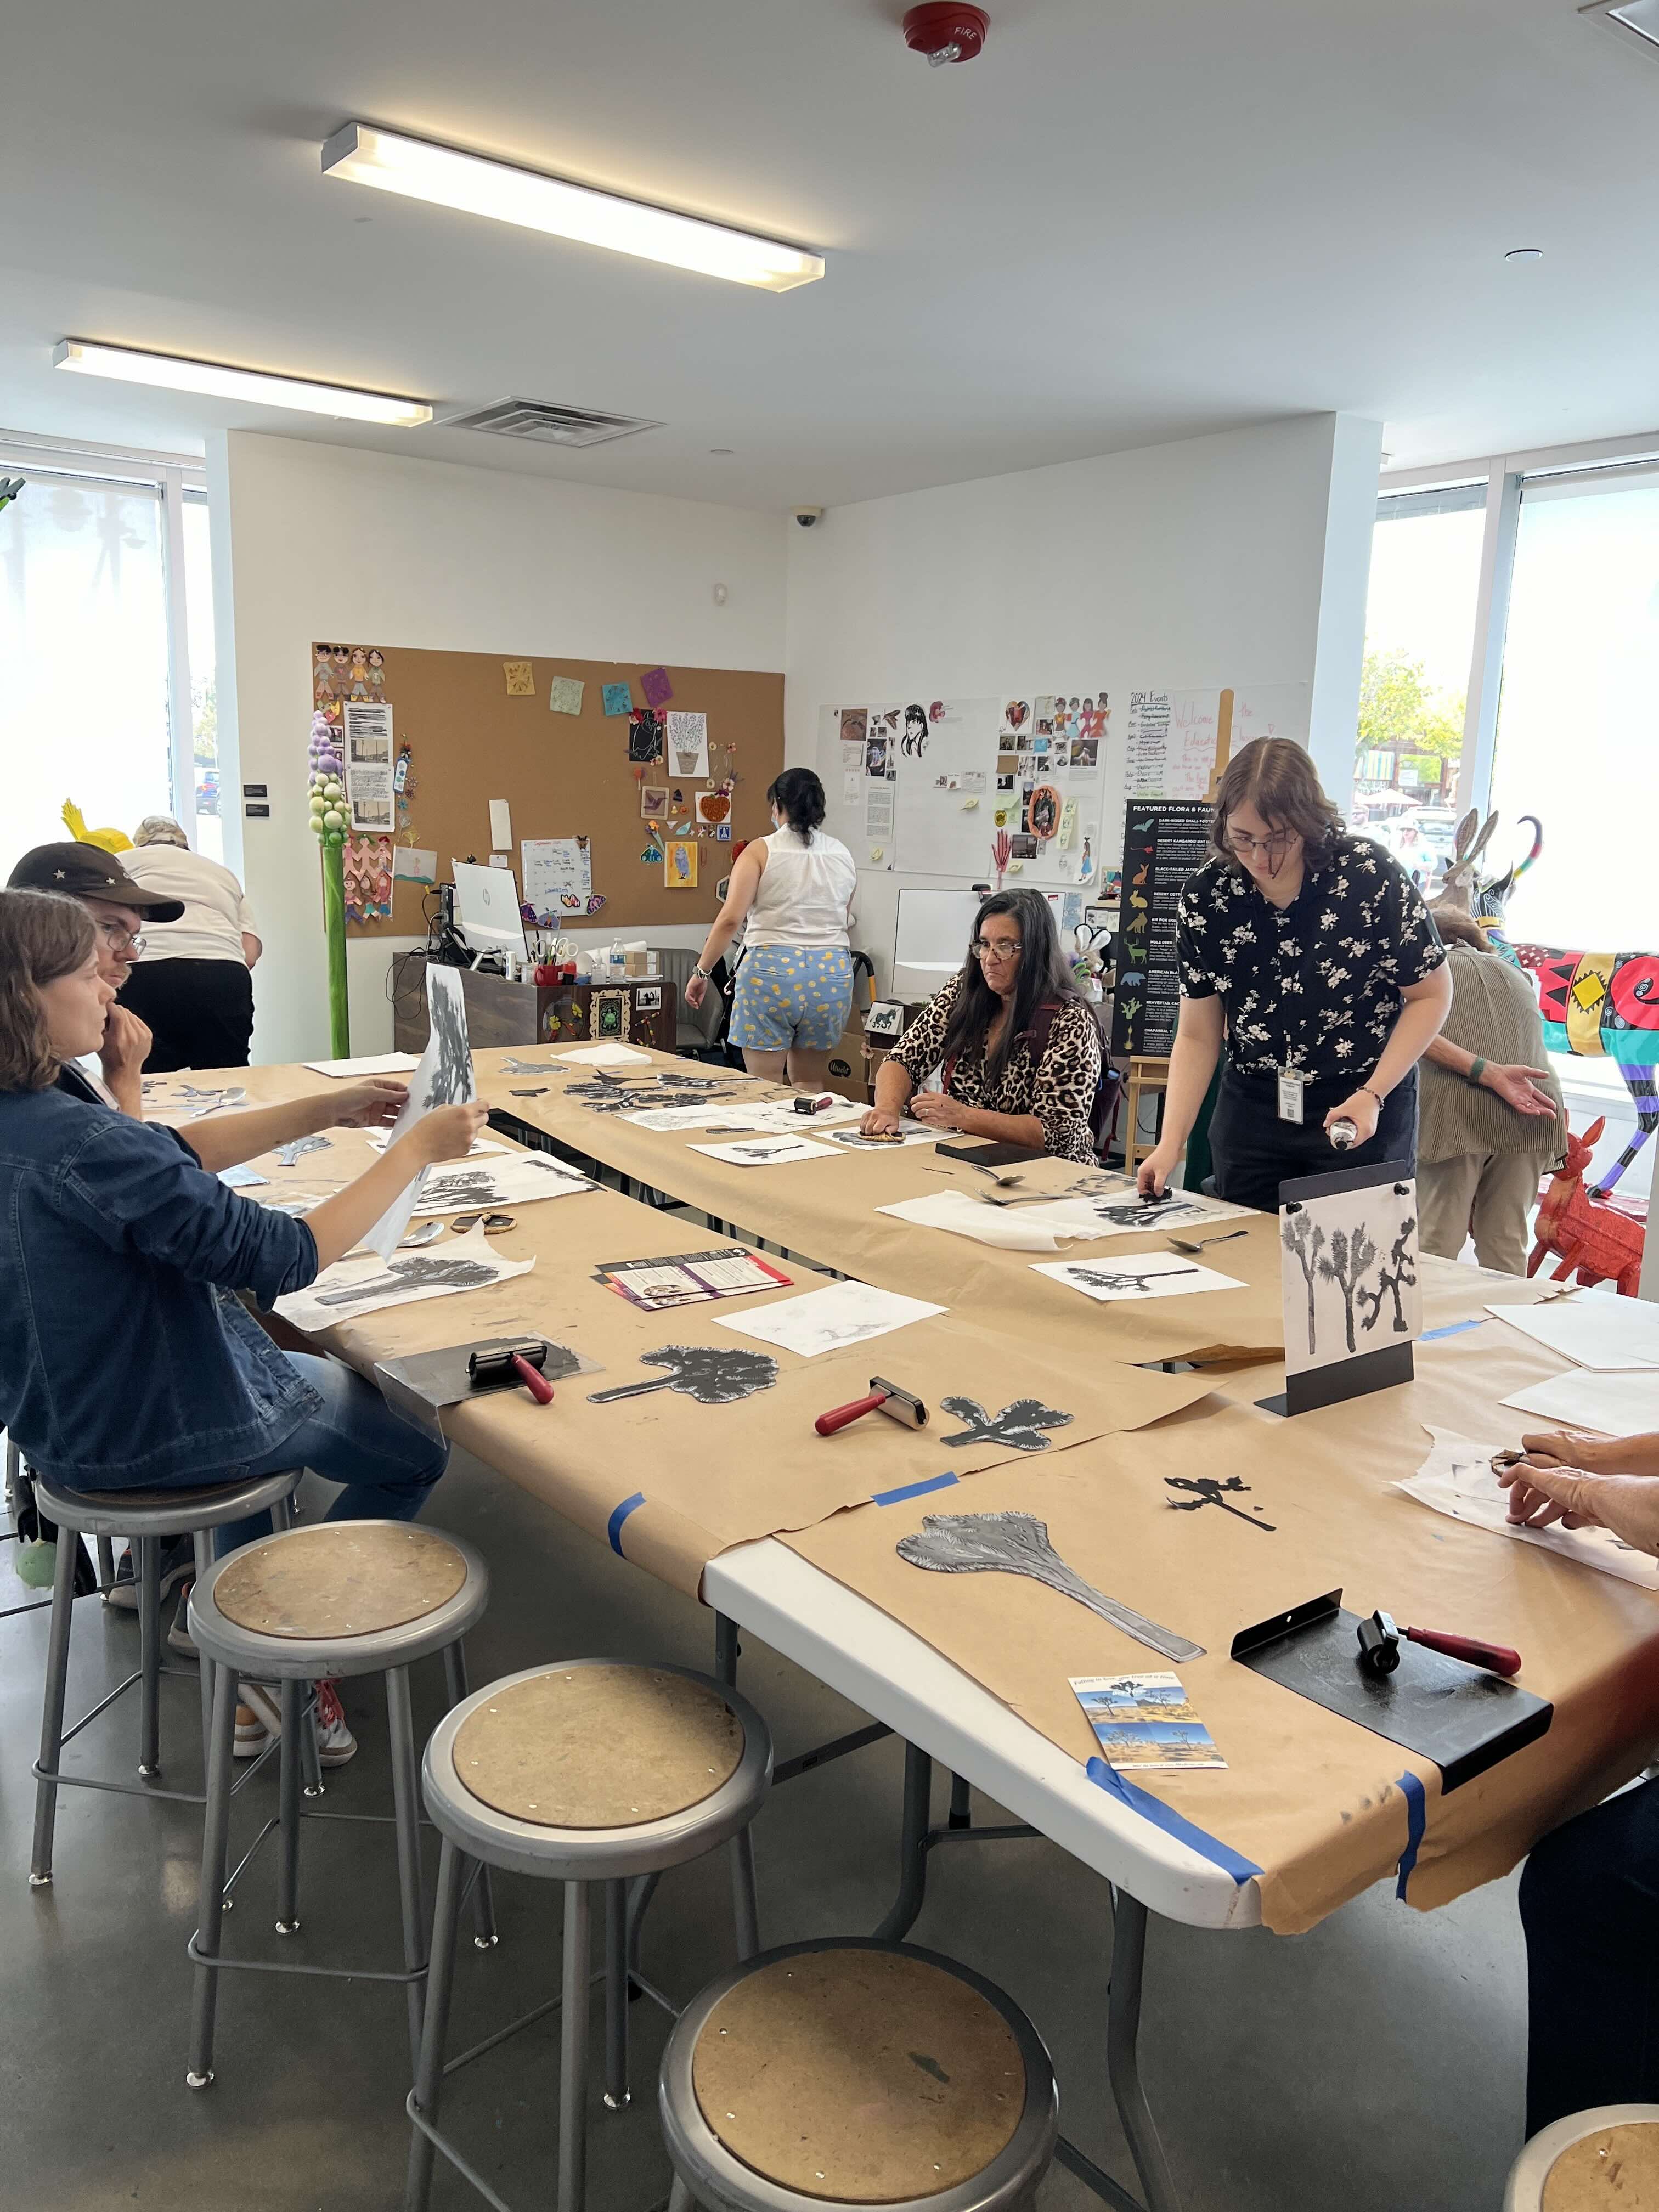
<point x="471" y="739"/>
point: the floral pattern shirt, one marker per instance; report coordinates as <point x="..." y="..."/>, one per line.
<point x="1059" y="1088"/>
<point x="1315" y="986"/>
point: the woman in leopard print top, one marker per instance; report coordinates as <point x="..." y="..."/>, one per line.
<point x="1019" y="1048"/>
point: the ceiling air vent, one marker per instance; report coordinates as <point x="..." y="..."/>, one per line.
<point x="545" y="424"/>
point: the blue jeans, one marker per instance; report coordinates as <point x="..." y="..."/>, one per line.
<point x="386" y="1465"/>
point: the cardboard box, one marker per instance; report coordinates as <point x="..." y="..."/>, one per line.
<point x="848" y="1077"/>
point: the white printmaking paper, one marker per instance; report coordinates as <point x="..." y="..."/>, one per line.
<point x="518" y="1179"/>
<point x="828" y="1320"/>
<point x="1349" y="1274"/>
<point x="763" y="1151"/>
<point x="1009" y="1229"/>
<point x="1126" y="1216"/>
<point x="779" y="1113"/>
<point x="711" y="1114"/>
<point x="365" y="1284"/>
<point x="605" y="1055"/>
<point x="1144" y="1275"/>
<point x="382" y="1138"/>
<point x="1613" y="1405"/>
<point x="444" y="1078"/>
<point x="1456" y="1480"/>
<point x="1607" y="1333"/>
<point x="375" y="1063"/>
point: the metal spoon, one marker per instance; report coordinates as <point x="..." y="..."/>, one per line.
<point x="1197" y="1244"/>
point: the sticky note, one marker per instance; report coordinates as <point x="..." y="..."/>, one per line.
<point x="656" y="686"/>
<point x="564" y="695"/>
<point x="520" y="679"/>
<point x="618" y="699"/>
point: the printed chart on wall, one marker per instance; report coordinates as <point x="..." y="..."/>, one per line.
<point x="1165" y="842"/>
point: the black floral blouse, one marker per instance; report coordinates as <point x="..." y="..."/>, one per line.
<point x="1059" y="1088"/>
<point x="1315" y="985"/>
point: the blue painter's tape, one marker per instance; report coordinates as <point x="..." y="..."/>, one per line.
<point x="1165" y="1817"/>
<point x="1452" y="1329"/>
<point x="1416" y="1817"/>
<point x="613" y="1527"/>
<point x="913" y="1490"/>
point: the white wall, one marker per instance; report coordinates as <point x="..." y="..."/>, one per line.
<point x="314" y="542"/>
<point x="1237" y="559"/>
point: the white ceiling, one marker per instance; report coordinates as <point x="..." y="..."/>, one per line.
<point x="1128" y="221"/>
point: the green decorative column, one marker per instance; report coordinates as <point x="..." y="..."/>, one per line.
<point x="339" y="1018"/>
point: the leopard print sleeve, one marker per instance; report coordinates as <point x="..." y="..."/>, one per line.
<point x="1063" y="1085"/>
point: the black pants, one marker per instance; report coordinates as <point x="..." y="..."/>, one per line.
<point x="199" y="1012"/>
<point x="1254" y="1151"/>
<point x="1589" y="1904"/>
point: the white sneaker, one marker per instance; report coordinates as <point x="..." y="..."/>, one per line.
<point x="259" y="1720"/>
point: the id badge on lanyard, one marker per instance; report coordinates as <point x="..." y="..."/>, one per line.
<point x="1291" y="1085"/>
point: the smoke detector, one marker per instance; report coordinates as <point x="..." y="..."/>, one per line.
<point x="945" y="31"/>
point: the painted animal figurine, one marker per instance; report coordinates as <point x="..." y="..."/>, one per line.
<point x="1604" y="1006"/>
<point x="1466" y="885"/>
<point x="1601" y="1244"/>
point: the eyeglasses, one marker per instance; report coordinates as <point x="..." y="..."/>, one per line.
<point x="1004" y="948"/>
<point x="117" y="938"/>
<point x="1272" y="848"/>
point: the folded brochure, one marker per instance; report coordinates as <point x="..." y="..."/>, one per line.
<point x="1143" y="1722"/>
<point x="687" y="1279"/>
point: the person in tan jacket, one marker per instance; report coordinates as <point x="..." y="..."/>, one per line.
<point x="1491" y="1119"/>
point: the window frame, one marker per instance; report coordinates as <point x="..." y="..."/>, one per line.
<point x="174" y="478"/>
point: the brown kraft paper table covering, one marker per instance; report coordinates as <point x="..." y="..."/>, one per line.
<point x="1312" y="1798"/>
<point x="828" y="1209"/>
<point x="710" y="1475"/>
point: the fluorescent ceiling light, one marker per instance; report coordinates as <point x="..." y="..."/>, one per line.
<point x="421" y="171"/>
<point x="177" y="374"/>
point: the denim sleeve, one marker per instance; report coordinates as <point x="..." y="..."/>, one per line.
<point x="137" y="1184"/>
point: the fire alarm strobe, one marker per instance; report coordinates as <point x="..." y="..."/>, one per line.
<point x="945" y="31"/>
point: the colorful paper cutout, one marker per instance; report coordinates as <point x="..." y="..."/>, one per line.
<point x="520" y="679"/>
<point x="656" y="687"/>
<point x="618" y="698"/>
<point x="653" y="799"/>
<point x="644" y="734"/>
<point x="564" y="695"/>
<point x="682" y="865"/>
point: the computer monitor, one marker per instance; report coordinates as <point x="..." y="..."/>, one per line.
<point x="486" y="909"/>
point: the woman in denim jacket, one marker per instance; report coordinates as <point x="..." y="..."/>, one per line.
<point x="126" y="1361"/>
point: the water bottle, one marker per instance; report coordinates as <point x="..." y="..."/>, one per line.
<point x="1344" y="1134"/>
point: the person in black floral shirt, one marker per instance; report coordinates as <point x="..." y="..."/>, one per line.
<point x="1314" y="952"/>
<point x="1018" y="1046"/>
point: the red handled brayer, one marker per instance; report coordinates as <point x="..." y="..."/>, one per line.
<point x="899" y="1406"/>
<point x="496" y="1366"/>
<point x="1379" y="1647"/>
<point x="819" y="1105"/>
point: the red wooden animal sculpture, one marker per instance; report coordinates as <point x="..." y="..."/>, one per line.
<point x="1603" y="1242"/>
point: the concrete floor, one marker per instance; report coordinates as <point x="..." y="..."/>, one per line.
<point x="1378" y="2060"/>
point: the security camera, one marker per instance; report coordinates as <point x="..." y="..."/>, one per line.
<point x="806" y="516"/>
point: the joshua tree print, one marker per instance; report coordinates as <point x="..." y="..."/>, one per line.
<point x="1349" y="1258"/>
<point x="1400" y="1273"/>
<point x="1303" y="1239"/>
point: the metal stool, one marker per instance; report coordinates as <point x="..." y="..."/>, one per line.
<point x="1587" y="2161"/>
<point x="595" y="1771"/>
<point x="146" y="1517"/>
<point x="849" y="2072"/>
<point x="349" y="1597"/>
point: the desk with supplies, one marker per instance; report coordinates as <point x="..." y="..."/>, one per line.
<point x="1180" y="1500"/>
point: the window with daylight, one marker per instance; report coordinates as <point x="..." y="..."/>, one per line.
<point x="106" y="645"/>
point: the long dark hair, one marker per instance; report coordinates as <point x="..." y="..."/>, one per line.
<point x="1043" y="973"/>
<point x="1276" y="776"/>
<point x="43" y="935"/>
<point x="798" y="797"/>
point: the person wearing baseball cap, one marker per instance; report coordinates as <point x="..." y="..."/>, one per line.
<point x="120" y="907"/>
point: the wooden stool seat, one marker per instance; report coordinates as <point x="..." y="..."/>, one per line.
<point x="1615" y="2170"/>
<point x="861" y="2075"/>
<point x="598" y="1747"/>
<point x="345" y="1578"/>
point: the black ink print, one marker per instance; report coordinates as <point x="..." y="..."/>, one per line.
<point x="415" y="1275"/>
<point x="913" y="743"/>
<point x="1302" y="1240"/>
<point x="297" y="1147"/>
<point x="1020" y="1425"/>
<point x="1018" y="1544"/>
<point x="1346" y="1266"/>
<point x="708" y="1373"/>
<point x="511" y="1066"/>
<point x="450" y="1083"/>
<point x="1130" y="1213"/>
<point x="1207" y="1489"/>
<point x="472" y="1186"/>
<point x="1128" y="1279"/>
<point x="1400" y="1273"/>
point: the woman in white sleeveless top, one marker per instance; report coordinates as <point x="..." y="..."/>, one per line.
<point x="795" y="987"/>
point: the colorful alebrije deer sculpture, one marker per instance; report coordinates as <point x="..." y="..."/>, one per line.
<point x="1597" y="1241"/>
<point x="1464" y="885"/>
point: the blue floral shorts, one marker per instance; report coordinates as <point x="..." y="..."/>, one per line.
<point x="788" y="995"/>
